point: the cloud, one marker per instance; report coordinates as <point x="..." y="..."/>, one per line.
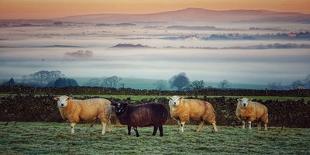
<point x="257" y="47"/>
<point x="80" y="54"/>
<point x="130" y="46"/>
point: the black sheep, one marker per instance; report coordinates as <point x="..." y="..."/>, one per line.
<point x="143" y="115"/>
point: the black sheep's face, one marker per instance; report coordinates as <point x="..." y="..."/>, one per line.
<point x="119" y="107"/>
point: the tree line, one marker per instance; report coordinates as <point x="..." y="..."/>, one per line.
<point x="130" y="91"/>
<point x="178" y="82"/>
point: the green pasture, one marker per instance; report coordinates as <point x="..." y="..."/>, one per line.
<point x="55" y="138"/>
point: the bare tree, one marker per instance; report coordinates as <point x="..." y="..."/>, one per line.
<point x="307" y="82"/>
<point x="275" y="86"/>
<point x="42" y="78"/>
<point x="111" y="82"/>
<point x="298" y="84"/>
<point x="198" y="84"/>
<point x="224" y="84"/>
<point x="94" y="82"/>
<point x="179" y="81"/>
<point x="160" y="85"/>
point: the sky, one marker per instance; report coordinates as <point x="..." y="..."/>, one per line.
<point x="45" y="9"/>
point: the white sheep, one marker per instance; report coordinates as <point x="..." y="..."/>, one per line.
<point x="86" y="110"/>
<point x="249" y="111"/>
<point x="183" y="110"/>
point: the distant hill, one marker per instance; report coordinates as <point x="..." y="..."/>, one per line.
<point x="119" y="24"/>
<point x="180" y="27"/>
<point x="130" y="46"/>
<point x="194" y="15"/>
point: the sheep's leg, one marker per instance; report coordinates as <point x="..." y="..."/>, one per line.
<point x="214" y="127"/>
<point x="92" y="124"/>
<point x="259" y="125"/>
<point x="129" y="129"/>
<point x="109" y="126"/>
<point x="103" y="127"/>
<point x="155" y="130"/>
<point x="265" y="124"/>
<point x="250" y="124"/>
<point x="136" y="130"/>
<point x="179" y="124"/>
<point x="72" y="127"/>
<point x="182" y="126"/>
<point x="161" y="131"/>
<point x="200" y="126"/>
<point x="243" y="124"/>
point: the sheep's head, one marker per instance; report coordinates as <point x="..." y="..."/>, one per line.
<point x="119" y="107"/>
<point x="62" y="101"/>
<point x="243" y="102"/>
<point x="174" y="100"/>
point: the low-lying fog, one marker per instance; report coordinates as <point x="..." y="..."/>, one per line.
<point x="87" y="51"/>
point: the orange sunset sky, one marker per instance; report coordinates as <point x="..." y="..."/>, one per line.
<point x="42" y="9"/>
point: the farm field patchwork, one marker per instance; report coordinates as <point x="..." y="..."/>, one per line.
<point x="55" y="138"/>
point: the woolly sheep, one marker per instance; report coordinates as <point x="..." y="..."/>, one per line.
<point x="182" y="110"/>
<point x="84" y="110"/>
<point x="249" y="111"/>
<point x="142" y="115"/>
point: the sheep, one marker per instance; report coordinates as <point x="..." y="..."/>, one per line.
<point x="250" y="111"/>
<point x="143" y="115"/>
<point x="84" y="110"/>
<point x="182" y="110"/>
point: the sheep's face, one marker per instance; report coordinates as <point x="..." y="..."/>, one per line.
<point x="243" y="102"/>
<point x="62" y="101"/>
<point x="174" y="100"/>
<point x="119" y="107"/>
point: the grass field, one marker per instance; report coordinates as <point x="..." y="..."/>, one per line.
<point x="54" y="138"/>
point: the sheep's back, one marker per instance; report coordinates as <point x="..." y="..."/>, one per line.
<point x="90" y="109"/>
<point x="260" y="109"/>
<point x="147" y="115"/>
<point x="196" y="108"/>
<point x="254" y="110"/>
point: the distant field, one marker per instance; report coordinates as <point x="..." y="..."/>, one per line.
<point x="139" y="97"/>
<point x="54" y="138"/>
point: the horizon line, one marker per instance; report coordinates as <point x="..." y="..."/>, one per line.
<point x="157" y="12"/>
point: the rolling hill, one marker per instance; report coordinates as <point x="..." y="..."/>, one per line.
<point x="194" y="15"/>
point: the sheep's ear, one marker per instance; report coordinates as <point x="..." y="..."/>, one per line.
<point x="56" y="98"/>
<point x="238" y="99"/>
<point x="125" y="104"/>
<point x="69" y="98"/>
<point x="113" y="103"/>
<point x="180" y="98"/>
<point x="251" y="99"/>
